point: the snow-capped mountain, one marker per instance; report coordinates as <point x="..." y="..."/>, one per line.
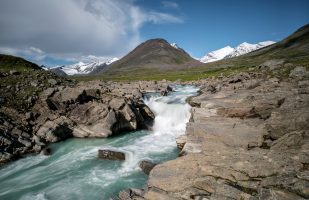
<point x="229" y="52"/>
<point x="82" y="68"/>
<point x="217" y="55"/>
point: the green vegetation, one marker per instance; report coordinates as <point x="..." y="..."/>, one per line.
<point x="8" y="63"/>
<point x="155" y="74"/>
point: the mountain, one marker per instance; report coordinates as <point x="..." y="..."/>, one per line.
<point x="217" y="55"/>
<point x="154" y="54"/>
<point x="229" y="52"/>
<point x="293" y="49"/>
<point x="8" y="62"/>
<point x="82" y="68"/>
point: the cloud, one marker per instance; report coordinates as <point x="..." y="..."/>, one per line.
<point x="32" y="53"/>
<point x="170" y="4"/>
<point x="71" y="29"/>
<point x="160" y="18"/>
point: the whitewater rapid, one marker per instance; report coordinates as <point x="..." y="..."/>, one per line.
<point x="73" y="170"/>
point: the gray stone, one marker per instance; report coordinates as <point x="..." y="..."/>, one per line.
<point x="111" y="155"/>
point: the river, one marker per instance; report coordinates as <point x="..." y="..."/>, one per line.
<point x="73" y="171"/>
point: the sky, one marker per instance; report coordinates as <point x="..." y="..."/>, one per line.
<point x="60" y="32"/>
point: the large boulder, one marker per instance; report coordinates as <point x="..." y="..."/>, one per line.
<point x="100" y="128"/>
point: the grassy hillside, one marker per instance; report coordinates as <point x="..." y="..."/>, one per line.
<point x="8" y="63"/>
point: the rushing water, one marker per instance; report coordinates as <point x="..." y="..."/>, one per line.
<point x="73" y="170"/>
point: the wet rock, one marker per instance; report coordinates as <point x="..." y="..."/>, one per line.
<point x="46" y="151"/>
<point x="169" y="88"/>
<point x="131" y="194"/>
<point x="111" y="155"/>
<point x="146" y="166"/>
<point x="164" y="93"/>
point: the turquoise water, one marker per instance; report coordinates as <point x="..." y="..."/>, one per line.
<point x="73" y="171"/>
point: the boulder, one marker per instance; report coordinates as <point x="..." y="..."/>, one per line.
<point x="100" y="128"/>
<point x="146" y="166"/>
<point x="56" y="130"/>
<point x="299" y="72"/>
<point x="111" y="155"/>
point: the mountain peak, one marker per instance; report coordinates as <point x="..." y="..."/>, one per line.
<point x="229" y="52"/>
<point x="153" y="53"/>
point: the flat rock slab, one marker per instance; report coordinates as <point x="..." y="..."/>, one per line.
<point x="111" y="155"/>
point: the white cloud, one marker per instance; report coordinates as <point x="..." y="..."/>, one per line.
<point x="71" y="29"/>
<point x="170" y="4"/>
<point x="160" y="18"/>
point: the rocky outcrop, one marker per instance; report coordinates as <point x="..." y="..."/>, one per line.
<point x="87" y="109"/>
<point x="247" y="139"/>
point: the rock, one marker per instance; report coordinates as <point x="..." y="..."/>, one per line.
<point x="181" y="141"/>
<point x="52" y="82"/>
<point x="299" y="72"/>
<point x="29" y="116"/>
<point x="146" y="112"/>
<point x="56" y="130"/>
<point x="110" y="154"/>
<point x="289" y="141"/>
<point x="131" y="194"/>
<point x="117" y="103"/>
<point x="14" y="72"/>
<point x="169" y="88"/>
<point x="164" y="93"/>
<point x="46" y="151"/>
<point x="25" y="142"/>
<point x="272" y="64"/>
<point x="146" y="166"/>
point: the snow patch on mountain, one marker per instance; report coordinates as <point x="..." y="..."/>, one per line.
<point x="174" y="45"/>
<point x="229" y="52"/>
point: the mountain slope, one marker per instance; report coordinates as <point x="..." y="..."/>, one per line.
<point x="153" y="54"/>
<point x="8" y="62"/>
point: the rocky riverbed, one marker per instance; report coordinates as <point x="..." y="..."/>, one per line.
<point x="248" y="138"/>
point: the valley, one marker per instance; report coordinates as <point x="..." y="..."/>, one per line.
<point x="236" y="128"/>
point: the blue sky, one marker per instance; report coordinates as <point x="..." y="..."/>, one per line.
<point x="62" y="32"/>
<point x="209" y="25"/>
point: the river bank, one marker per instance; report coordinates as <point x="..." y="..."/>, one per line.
<point x="247" y="139"/>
